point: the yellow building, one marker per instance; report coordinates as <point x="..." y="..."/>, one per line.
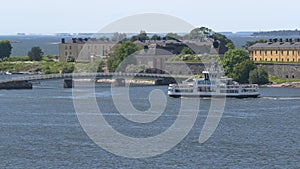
<point x="276" y="50"/>
<point x="84" y="48"/>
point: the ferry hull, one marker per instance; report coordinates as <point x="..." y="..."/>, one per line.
<point x="215" y="96"/>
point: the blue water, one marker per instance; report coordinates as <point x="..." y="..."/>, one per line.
<point x="40" y="129"/>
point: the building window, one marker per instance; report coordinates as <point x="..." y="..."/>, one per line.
<point x="276" y="52"/>
<point x="288" y="59"/>
<point x="276" y="59"/>
<point x="70" y="47"/>
<point x="260" y="59"/>
<point x="271" y="60"/>
<point x="66" y="53"/>
<point x="70" y="53"/>
<point x="255" y="59"/>
<point x="288" y="52"/>
<point x="66" y="47"/>
<point x="282" y="59"/>
<point x="266" y="59"/>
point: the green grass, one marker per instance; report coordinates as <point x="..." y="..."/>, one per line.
<point x="279" y="63"/>
<point x="44" y="66"/>
<point x="281" y="80"/>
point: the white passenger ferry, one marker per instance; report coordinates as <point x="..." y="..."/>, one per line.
<point x="213" y="86"/>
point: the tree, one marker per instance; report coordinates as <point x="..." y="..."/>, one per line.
<point x="225" y="43"/>
<point x="119" y="53"/>
<point x="118" y="37"/>
<point x="172" y="36"/>
<point x="35" y="54"/>
<point x="259" y="76"/>
<point x="200" y="33"/>
<point x="187" y="50"/>
<point x="250" y="43"/>
<point x="155" y="37"/>
<point x="232" y="58"/>
<point x="141" y="37"/>
<point x="5" y="49"/>
<point x="242" y="70"/>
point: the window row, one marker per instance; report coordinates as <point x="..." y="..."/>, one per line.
<point x="277" y="52"/>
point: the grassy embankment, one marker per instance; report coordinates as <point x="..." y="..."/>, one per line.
<point x="277" y="80"/>
<point x="47" y="65"/>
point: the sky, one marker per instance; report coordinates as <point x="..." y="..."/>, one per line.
<point x="74" y="16"/>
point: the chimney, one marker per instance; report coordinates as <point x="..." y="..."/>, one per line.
<point x="74" y="40"/>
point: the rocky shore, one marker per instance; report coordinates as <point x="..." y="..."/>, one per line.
<point x="136" y="82"/>
<point x="282" y="85"/>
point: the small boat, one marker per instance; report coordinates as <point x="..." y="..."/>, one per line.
<point x="8" y="73"/>
<point x="213" y="86"/>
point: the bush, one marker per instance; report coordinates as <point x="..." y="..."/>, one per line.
<point x="259" y="76"/>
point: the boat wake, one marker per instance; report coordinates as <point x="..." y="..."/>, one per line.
<point x="281" y="98"/>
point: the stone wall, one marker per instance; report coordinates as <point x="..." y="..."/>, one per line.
<point x="282" y="70"/>
<point x="277" y="70"/>
<point x="180" y="68"/>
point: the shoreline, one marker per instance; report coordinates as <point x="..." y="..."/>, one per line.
<point x="282" y="85"/>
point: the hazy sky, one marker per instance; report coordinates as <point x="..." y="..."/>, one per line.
<point x="54" y="16"/>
